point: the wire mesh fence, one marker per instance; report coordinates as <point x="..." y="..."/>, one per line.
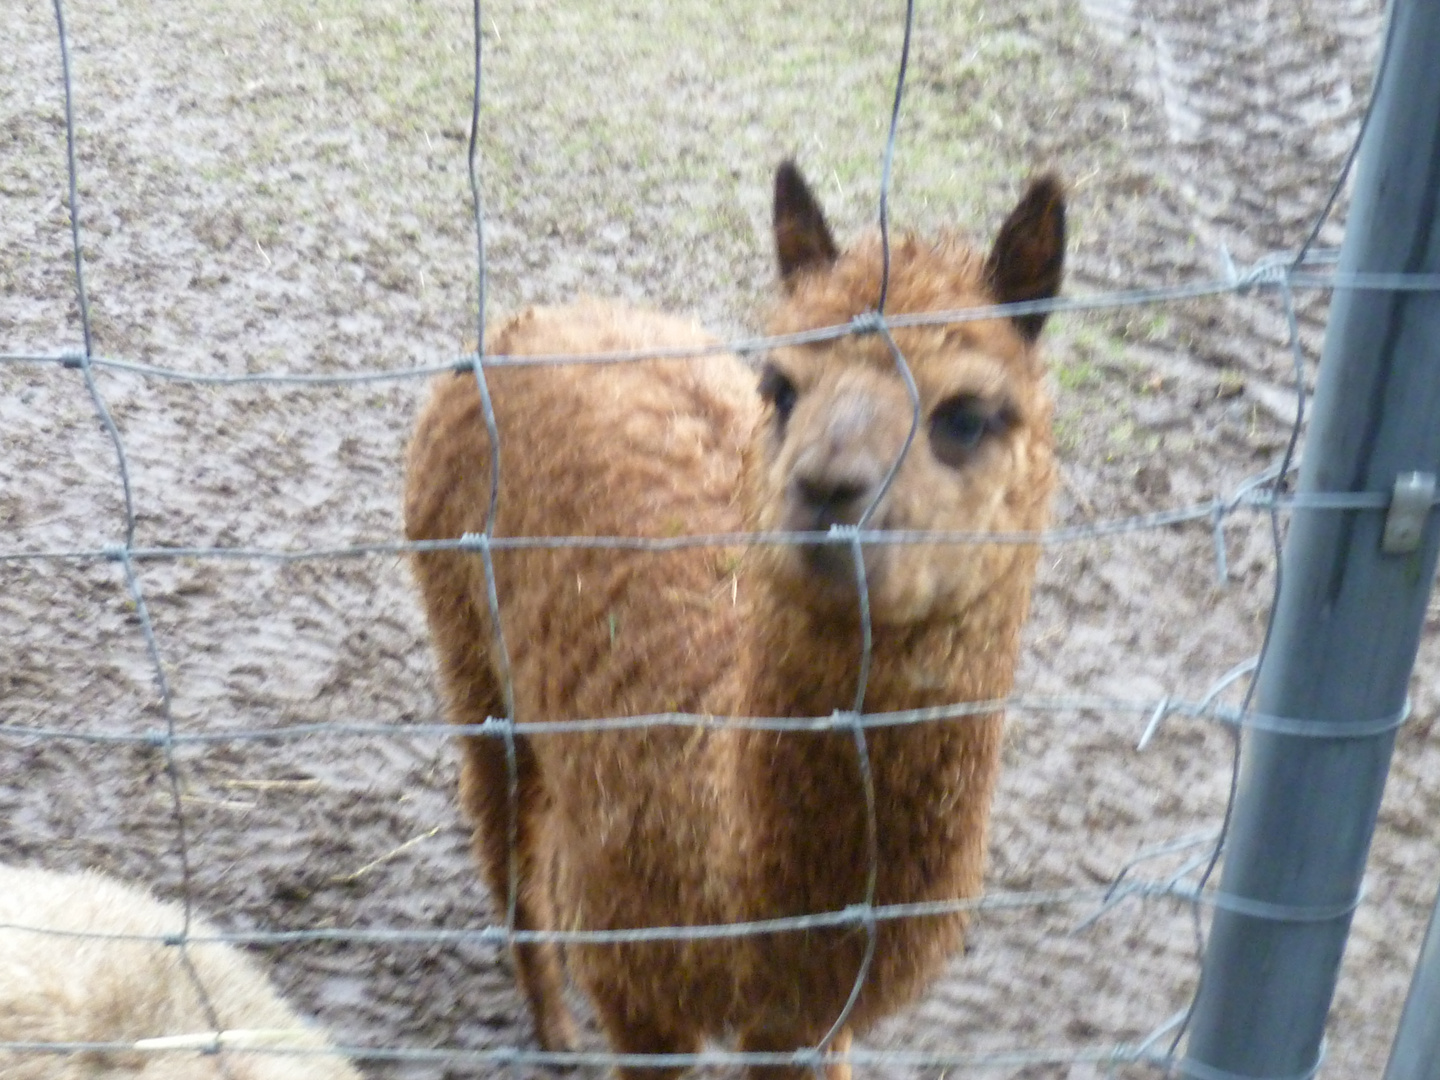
<point x="1266" y="492"/>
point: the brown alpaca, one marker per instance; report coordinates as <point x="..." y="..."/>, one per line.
<point x="681" y="826"/>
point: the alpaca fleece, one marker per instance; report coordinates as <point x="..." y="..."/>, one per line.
<point x="681" y="826"/>
<point x="79" y="989"/>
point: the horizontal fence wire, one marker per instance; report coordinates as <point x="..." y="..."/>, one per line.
<point x="1248" y="497"/>
<point x="1156" y="710"/>
<point x="854" y="915"/>
<point x="1280" y="274"/>
<point x="1273" y="273"/>
<point x="502" y="1057"/>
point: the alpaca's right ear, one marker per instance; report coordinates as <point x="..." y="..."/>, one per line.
<point x="802" y="239"/>
<point x="1028" y="258"/>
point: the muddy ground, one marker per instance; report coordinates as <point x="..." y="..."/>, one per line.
<point x="281" y="186"/>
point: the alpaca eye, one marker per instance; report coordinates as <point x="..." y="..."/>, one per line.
<point x="959" y="424"/>
<point x="779" y="391"/>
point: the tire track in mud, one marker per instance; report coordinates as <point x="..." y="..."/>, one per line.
<point x="1261" y="104"/>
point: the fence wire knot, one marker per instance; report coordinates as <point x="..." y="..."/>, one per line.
<point x="868" y="322"/>
<point x="807" y="1057"/>
<point x="1269" y="272"/>
<point x="501" y="726"/>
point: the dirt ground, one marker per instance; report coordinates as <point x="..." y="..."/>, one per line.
<point x="281" y="186"/>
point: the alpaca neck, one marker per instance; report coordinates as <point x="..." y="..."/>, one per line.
<point x="931" y="781"/>
<point x="803" y="664"/>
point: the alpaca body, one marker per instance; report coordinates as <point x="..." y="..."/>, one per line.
<point x="679" y="826"/>
<point x="76" y="989"/>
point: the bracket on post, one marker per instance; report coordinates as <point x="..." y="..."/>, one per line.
<point x="1410" y="506"/>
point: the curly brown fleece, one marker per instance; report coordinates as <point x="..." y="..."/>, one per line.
<point x="679" y="826"/>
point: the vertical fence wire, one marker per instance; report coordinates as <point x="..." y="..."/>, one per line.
<point x="122" y="554"/>
<point x="862" y="585"/>
<point x="1281" y="472"/>
<point x="492" y="430"/>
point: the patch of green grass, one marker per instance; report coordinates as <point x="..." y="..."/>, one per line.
<point x="1077" y="375"/>
<point x="686" y="84"/>
<point x="1147" y="325"/>
<point x="669" y="118"/>
<point x="1069" y="433"/>
<point x="1085" y="353"/>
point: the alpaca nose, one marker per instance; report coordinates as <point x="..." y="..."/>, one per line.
<point x="837" y="472"/>
<point x="826" y="499"/>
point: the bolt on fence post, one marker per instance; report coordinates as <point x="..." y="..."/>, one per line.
<point x="1348" y="616"/>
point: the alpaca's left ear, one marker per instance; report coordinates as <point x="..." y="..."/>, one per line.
<point x="802" y="239"/>
<point x="1028" y="258"/>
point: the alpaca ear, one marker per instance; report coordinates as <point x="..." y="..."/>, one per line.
<point x="1028" y="258"/>
<point x="802" y="239"/>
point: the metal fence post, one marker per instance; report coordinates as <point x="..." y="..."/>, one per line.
<point x="1348" y="617"/>
<point x="1416" y="1053"/>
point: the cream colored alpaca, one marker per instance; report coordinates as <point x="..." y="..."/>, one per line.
<point x="679" y="826"/>
<point x="82" y="989"/>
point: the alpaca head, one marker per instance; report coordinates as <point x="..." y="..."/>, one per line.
<point x="838" y="412"/>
